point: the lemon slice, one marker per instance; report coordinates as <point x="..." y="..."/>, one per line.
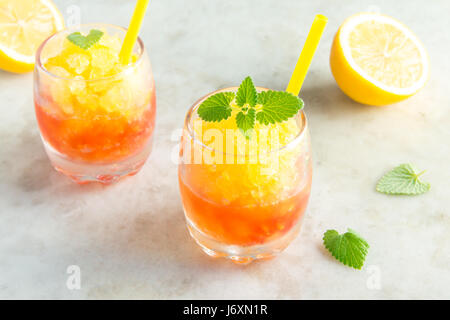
<point x="376" y="60"/>
<point x="24" y="25"/>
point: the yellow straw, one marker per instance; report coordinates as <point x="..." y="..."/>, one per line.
<point x="304" y="61"/>
<point x="133" y="31"/>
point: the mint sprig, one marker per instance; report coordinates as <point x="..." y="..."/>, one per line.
<point x="85" y="42"/>
<point x="349" y="248"/>
<point x="267" y="107"/>
<point x="403" y="180"/>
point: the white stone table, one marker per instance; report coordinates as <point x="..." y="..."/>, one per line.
<point x="130" y="239"/>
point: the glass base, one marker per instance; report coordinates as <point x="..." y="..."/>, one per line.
<point x="242" y="254"/>
<point x="84" y="172"/>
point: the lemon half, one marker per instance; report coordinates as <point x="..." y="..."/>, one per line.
<point x="24" y="25"/>
<point x="376" y="60"/>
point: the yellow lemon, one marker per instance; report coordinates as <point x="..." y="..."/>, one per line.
<point x="376" y="60"/>
<point x="24" y="25"/>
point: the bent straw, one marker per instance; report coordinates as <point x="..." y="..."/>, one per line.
<point x="309" y="48"/>
<point x="133" y="31"/>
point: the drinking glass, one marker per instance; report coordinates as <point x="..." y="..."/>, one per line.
<point x="242" y="204"/>
<point x="97" y="129"/>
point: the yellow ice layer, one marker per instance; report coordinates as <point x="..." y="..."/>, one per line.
<point x="264" y="169"/>
<point x="109" y="93"/>
<point x="286" y="130"/>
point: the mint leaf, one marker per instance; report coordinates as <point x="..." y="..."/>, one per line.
<point x="402" y="180"/>
<point x="217" y="107"/>
<point x="349" y="248"/>
<point x="85" y="42"/>
<point x="245" y="121"/>
<point x="277" y="106"/>
<point x="246" y="93"/>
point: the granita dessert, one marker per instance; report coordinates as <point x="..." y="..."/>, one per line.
<point x="244" y="192"/>
<point x="96" y="115"/>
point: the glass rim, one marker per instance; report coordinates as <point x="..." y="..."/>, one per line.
<point x="41" y="67"/>
<point x="187" y="124"/>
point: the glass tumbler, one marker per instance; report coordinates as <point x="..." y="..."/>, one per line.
<point x="97" y="128"/>
<point x="238" y="204"/>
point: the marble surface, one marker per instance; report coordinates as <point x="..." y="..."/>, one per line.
<point x="130" y="240"/>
